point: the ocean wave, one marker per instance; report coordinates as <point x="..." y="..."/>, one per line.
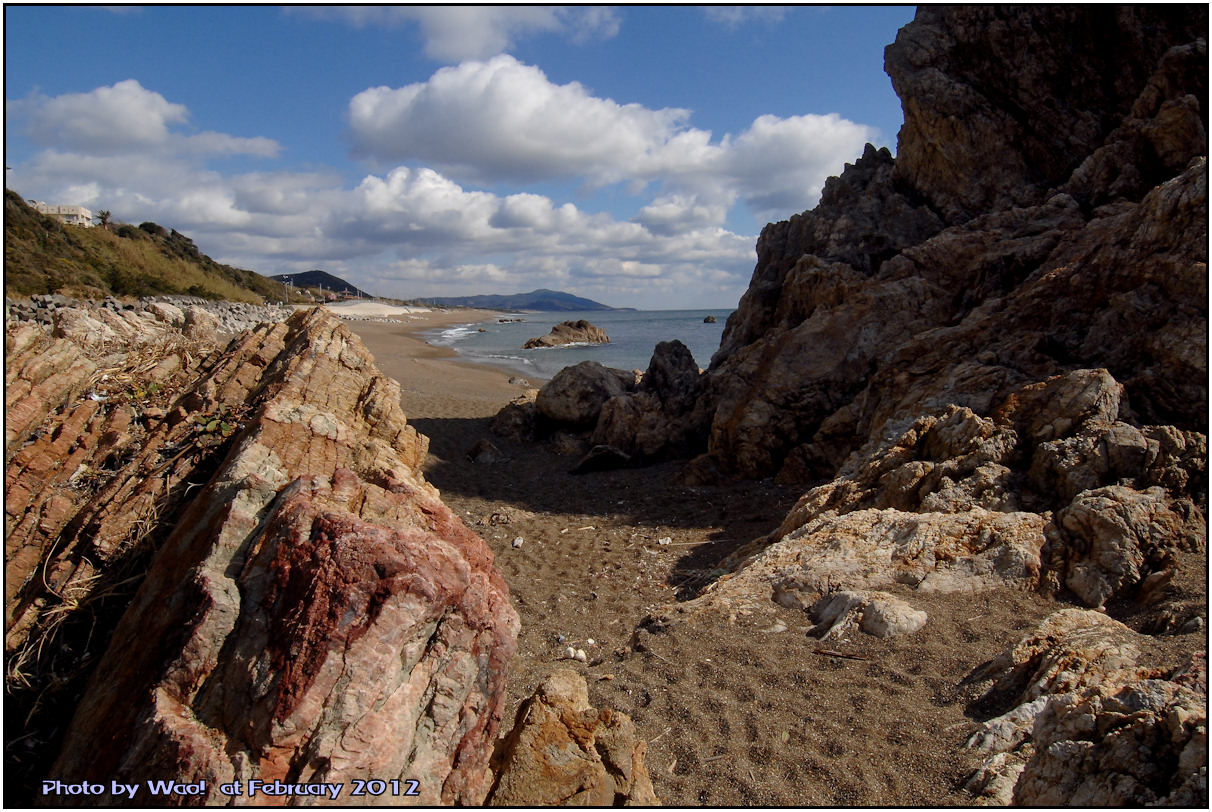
<point x="453" y="335"/>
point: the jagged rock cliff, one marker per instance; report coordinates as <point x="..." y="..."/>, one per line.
<point x="1046" y="211"/>
<point x="307" y="608"/>
<point x="987" y="359"/>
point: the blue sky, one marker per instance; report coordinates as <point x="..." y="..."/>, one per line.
<point x="629" y="154"/>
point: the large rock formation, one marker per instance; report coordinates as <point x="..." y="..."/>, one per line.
<point x="1037" y="219"/>
<point x="986" y="360"/>
<point x="312" y="612"/>
<point x="569" y="332"/>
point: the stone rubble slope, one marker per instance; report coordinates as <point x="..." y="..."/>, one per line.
<point x="113" y="319"/>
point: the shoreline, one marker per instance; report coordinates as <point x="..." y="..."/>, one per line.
<point x="436" y="381"/>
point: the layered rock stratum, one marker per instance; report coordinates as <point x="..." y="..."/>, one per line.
<point x="307" y="609"/>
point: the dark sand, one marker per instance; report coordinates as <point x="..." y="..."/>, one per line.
<point x="736" y="713"/>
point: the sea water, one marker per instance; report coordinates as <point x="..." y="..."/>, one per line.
<point x="633" y="336"/>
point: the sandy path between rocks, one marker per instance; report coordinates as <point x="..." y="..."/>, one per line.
<point x="738" y="711"/>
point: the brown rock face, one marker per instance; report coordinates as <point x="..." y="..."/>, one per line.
<point x="1039" y="88"/>
<point x="562" y="752"/>
<point x="312" y="611"/>
<point x="1046" y="212"/>
<point x="569" y="332"/>
<point x="574" y="397"/>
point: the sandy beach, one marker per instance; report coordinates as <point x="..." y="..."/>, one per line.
<point x="747" y="710"/>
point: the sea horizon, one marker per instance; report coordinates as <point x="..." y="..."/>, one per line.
<point x="634" y="334"/>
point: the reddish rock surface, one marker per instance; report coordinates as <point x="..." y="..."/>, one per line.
<point x="311" y="611"/>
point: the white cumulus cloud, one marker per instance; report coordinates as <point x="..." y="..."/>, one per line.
<point x="418" y="225"/>
<point x="501" y="120"/>
<point x="504" y="120"/>
<point x="456" y="33"/>
<point x="125" y="118"/>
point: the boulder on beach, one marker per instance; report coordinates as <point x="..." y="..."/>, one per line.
<point x="569" y="332"/>
<point x="564" y="752"/>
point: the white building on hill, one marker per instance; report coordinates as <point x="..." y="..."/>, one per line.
<point x="72" y="215"/>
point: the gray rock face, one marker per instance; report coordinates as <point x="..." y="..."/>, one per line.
<point x="656" y="421"/>
<point x="1041" y="88"/>
<point x="1114" y="537"/>
<point x="1089" y="726"/>
<point x="574" y="397"/>
<point x="1048" y="233"/>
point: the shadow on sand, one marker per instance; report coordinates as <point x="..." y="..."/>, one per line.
<point x="534" y="478"/>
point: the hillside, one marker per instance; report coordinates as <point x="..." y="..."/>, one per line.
<point x="542" y="299"/>
<point x="41" y="255"/>
<point x="320" y="280"/>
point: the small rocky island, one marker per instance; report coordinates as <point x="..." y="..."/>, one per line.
<point x="569" y="332"/>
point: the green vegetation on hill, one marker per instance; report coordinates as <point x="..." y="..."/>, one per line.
<point x="42" y="255"/>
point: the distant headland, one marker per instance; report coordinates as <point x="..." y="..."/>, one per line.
<point x="542" y="299"/>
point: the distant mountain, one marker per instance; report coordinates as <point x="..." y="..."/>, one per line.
<point x="542" y="299"/>
<point x="320" y="279"/>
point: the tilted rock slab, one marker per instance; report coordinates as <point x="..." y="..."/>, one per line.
<point x="562" y="752"/>
<point x="318" y="615"/>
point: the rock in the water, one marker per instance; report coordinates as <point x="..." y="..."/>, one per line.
<point x="562" y="752"/>
<point x="312" y="611"/>
<point x="569" y="332"/>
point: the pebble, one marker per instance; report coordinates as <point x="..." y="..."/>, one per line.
<point x="517" y="542"/>
<point x="665" y="540"/>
